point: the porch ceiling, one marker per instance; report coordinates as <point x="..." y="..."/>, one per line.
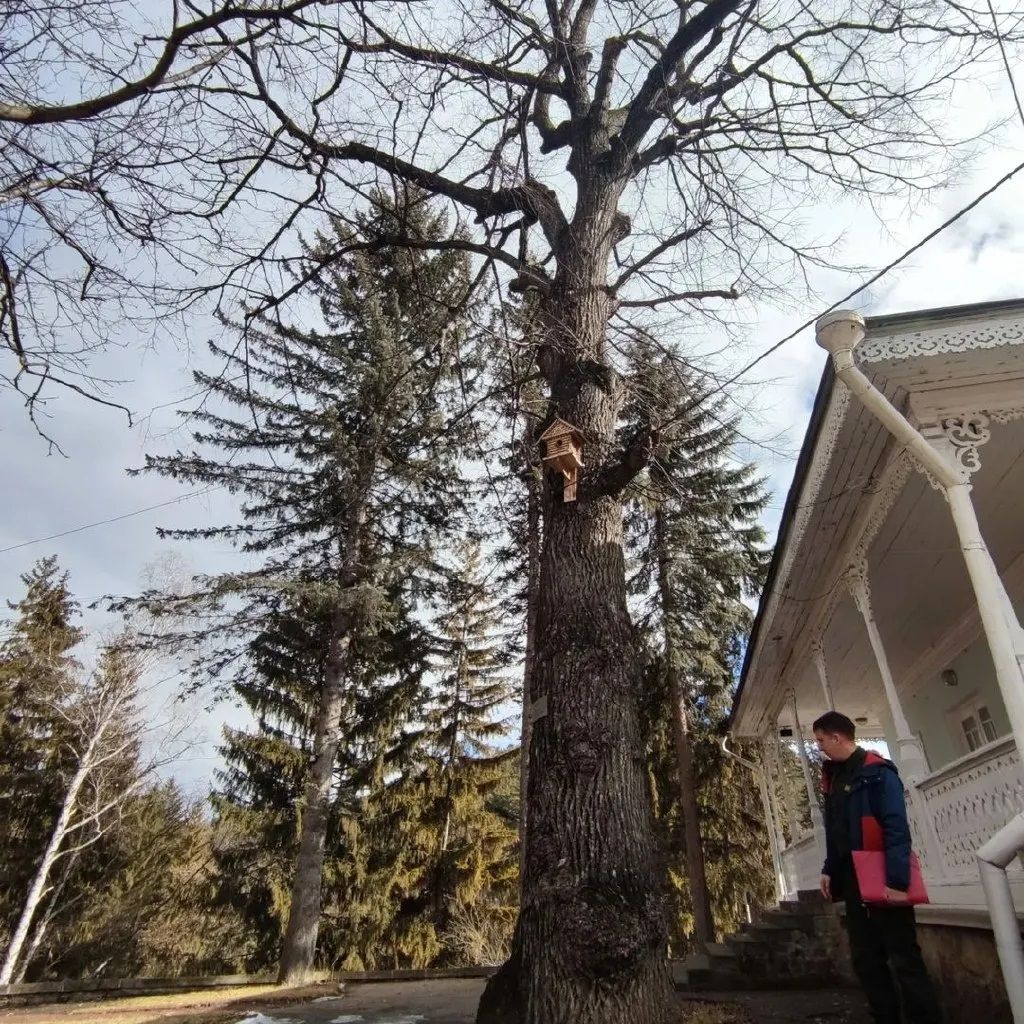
<point x="920" y="590"/>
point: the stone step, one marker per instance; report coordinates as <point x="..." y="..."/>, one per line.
<point x="718" y="950"/>
<point x="717" y="957"/>
<point x="806" y="896"/>
<point x="787" y="918"/>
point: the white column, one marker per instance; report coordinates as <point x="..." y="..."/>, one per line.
<point x="787" y="791"/>
<point x="805" y="763"/>
<point x="818" y="651"/>
<point x="912" y="762"/>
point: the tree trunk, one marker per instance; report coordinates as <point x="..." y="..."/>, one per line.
<point x="591" y="939"/>
<point x="39" y="933"/>
<point x="533" y="502"/>
<point x="703" y="920"/>
<point x="38" y="887"/>
<point x="298" y="951"/>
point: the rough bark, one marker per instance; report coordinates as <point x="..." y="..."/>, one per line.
<point x="591" y="939"/>
<point x="298" y="951"/>
<point x="703" y="919"/>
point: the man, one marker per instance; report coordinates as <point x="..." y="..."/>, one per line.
<point x="865" y="810"/>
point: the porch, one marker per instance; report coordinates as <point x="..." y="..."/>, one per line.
<point x="870" y="609"/>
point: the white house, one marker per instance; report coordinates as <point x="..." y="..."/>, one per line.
<point x="887" y="602"/>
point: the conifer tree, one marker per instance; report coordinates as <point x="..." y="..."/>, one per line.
<point x="342" y="442"/>
<point x="699" y="550"/>
<point x="37" y="667"/>
<point x="472" y="704"/>
<point x="517" y="513"/>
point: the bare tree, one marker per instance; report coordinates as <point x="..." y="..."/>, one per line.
<point x="617" y="159"/>
<point x="645" y="156"/>
<point x="106" y="736"/>
<point x="110" y="217"/>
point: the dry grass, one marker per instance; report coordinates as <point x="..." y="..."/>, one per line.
<point x="712" y="1013"/>
<point x="203" y="1006"/>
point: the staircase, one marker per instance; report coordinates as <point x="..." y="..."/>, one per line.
<point x="798" y="944"/>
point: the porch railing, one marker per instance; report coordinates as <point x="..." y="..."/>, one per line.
<point x="966" y="804"/>
<point x="963" y="805"/>
<point x="801" y="864"/>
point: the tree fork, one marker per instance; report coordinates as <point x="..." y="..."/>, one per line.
<point x="591" y="939"/>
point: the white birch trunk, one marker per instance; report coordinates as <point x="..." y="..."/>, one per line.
<point x="38" y="887"/>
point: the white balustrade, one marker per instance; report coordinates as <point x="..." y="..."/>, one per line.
<point x="968" y="802"/>
<point x="801" y="864"/>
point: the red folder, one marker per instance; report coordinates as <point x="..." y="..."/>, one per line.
<point x="869" y="866"/>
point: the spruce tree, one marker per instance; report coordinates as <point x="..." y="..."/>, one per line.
<point x="37" y="678"/>
<point x="699" y="550"/>
<point x="344" y="445"/>
<point x="469" y="719"/>
<point x="266" y="768"/>
<point x="451" y="809"/>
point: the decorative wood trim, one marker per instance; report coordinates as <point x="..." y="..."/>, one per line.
<point x="942" y="340"/>
<point x="833" y="423"/>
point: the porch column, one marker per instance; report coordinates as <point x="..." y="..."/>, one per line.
<point x="818" y="651"/>
<point x="840" y="332"/>
<point x="778" y="840"/>
<point x="817" y="823"/>
<point x="911" y="757"/>
<point x="912" y="762"/>
<point x="787" y="791"/>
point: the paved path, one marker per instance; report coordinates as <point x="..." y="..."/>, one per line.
<point x="816" y="1006"/>
<point x="454" y="1002"/>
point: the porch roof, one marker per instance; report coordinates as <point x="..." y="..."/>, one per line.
<point x="846" y="461"/>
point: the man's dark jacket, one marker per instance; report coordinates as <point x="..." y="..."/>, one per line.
<point x="877" y="817"/>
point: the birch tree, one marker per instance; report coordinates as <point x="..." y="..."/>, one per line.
<point x="104" y="735"/>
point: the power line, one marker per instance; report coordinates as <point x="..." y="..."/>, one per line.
<point x="105" y="522"/>
<point x="856" y="291"/>
<point x="914" y="248"/>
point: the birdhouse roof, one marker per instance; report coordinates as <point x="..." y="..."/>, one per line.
<point x="560" y="427"/>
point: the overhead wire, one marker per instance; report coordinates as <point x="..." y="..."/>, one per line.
<point x="105" y="522"/>
<point x="745" y="369"/>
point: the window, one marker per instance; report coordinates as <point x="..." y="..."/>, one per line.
<point x="977" y="726"/>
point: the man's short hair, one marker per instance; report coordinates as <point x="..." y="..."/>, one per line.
<point x="837" y="722"/>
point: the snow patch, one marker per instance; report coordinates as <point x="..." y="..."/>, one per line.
<point x="348" y="1018"/>
<point x="260" y="1018"/>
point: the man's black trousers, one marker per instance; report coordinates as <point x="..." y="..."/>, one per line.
<point x="883" y="945"/>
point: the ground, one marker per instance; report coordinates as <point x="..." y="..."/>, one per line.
<point x="413" y="1002"/>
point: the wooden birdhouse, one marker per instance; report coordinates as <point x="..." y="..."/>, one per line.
<point x="563" y="451"/>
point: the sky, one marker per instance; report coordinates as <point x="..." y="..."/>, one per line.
<point x="978" y="259"/>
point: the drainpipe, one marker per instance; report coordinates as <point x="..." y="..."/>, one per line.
<point x="839" y="333"/>
<point x="993" y="859"/>
<point x="769" y="819"/>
